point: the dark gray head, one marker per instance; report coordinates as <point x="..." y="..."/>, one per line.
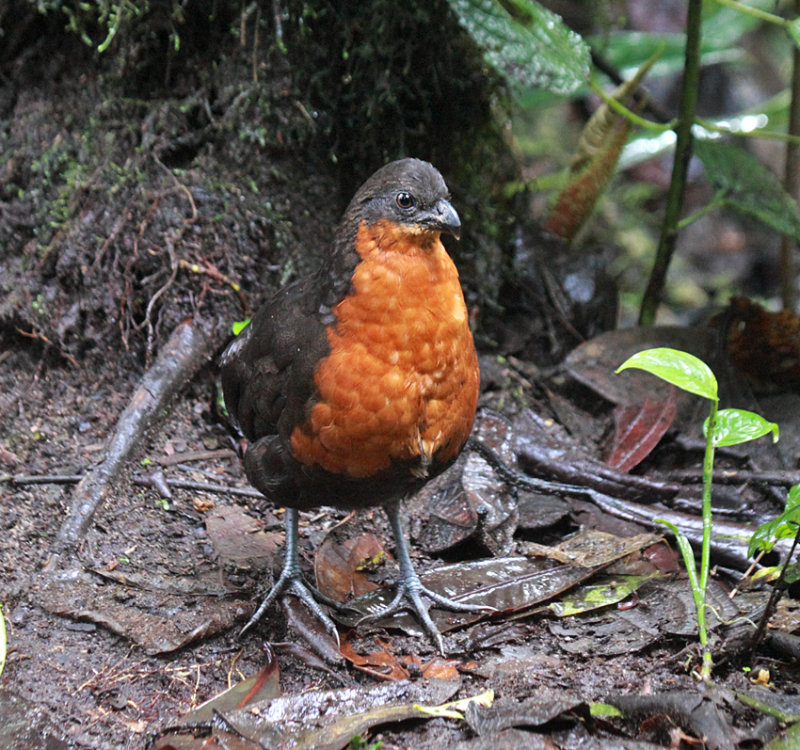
<point x="408" y="192"/>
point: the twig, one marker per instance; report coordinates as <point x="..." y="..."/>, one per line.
<point x="170" y="245"/>
<point x="21" y="480"/>
<point x="739" y="476"/>
<point x="774" y="596"/>
<point x="185" y="458"/>
<point x="220" y="489"/>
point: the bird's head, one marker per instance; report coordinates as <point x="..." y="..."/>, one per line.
<point x="410" y="193"/>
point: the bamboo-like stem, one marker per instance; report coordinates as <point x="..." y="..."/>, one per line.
<point x="680" y="165"/>
<point x="791" y="181"/>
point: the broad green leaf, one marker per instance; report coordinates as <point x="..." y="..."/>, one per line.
<point x="723" y="27"/>
<point x="526" y="43"/>
<point x="682" y="369"/>
<point x="734" y="426"/>
<point x="627" y="50"/>
<point x="748" y="186"/>
<point x="784" y="526"/>
<point x="239" y="325"/>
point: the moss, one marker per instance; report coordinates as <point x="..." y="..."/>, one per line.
<point x="241" y="146"/>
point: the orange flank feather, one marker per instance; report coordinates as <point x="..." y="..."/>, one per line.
<point x="401" y="380"/>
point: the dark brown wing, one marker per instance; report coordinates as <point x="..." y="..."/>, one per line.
<point x="267" y="377"/>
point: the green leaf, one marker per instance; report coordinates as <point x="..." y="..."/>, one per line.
<point x="784" y="526"/>
<point x="603" y="710"/>
<point x="602" y="593"/>
<point x="735" y="426"/>
<point x="723" y="27"/>
<point x="526" y="43"/>
<point x="239" y="325"/>
<point x="687" y="554"/>
<point x="748" y="186"/>
<point x="681" y="369"/>
<point x="792" y="574"/>
<point x="793" y="28"/>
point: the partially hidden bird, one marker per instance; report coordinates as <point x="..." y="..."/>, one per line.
<point x="358" y="384"/>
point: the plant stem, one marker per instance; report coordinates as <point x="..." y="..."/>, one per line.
<point x="716" y="201"/>
<point x="680" y="165"/>
<point x="762" y="15"/>
<point x="705" y="552"/>
<point x="791" y="181"/>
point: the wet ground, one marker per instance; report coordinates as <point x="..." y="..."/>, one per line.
<point x="139" y="626"/>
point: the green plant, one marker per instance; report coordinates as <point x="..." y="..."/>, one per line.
<point x="785" y="526"/>
<point x="722" y="427"/>
<point x="360" y="743"/>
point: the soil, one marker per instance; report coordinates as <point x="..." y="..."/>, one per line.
<point x="113" y="640"/>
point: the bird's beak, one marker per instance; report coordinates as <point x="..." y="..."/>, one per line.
<point x="444" y="218"/>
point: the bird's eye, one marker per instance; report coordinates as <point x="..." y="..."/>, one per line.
<point x="404" y="200"/>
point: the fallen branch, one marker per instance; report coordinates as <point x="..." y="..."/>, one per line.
<point x="190" y="346"/>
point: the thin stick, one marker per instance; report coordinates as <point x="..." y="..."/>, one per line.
<point x="21" y="480"/>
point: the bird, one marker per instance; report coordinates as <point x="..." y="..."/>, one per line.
<point x="356" y="385"/>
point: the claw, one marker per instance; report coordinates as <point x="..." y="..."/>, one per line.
<point x="410" y="589"/>
<point x="291" y="581"/>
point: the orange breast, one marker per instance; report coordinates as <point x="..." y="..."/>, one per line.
<point x="401" y="381"/>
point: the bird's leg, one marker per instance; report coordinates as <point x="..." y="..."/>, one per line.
<point x="291" y="581"/>
<point x="411" y="589"/>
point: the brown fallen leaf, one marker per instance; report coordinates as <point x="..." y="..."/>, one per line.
<point x="639" y="428"/>
<point x="384" y="665"/>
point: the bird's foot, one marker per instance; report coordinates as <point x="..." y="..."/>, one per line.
<point x="291" y="582"/>
<point x="410" y="593"/>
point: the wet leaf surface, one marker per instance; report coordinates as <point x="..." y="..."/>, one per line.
<point x="239" y="539"/>
<point x="155" y="618"/>
<point x="665" y="608"/>
<point x="326" y="720"/>
<point x="699" y="716"/>
<point x="470" y="501"/>
<point x="593" y="363"/>
<point x="545" y="706"/>
<point x="383" y="664"/>
<point x="546" y="449"/>
<point x="263" y="686"/>
<point x="507" y="584"/>
<point x="341" y="564"/>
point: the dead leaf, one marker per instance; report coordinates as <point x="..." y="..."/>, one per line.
<point x="638" y="429"/>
